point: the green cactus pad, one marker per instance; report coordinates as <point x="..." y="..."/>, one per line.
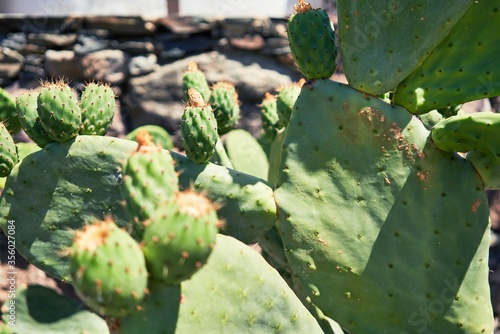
<point x="27" y="112"/>
<point x="198" y="129"/>
<point x="488" y="169"/>
<point x="41" y="310"/>
<point x="225" y="104"/>
<point x="149" y="178"/>
<point x="235" y="292"/>
<point x="246" y="154"/>
<point x="269" y="116"/>
<point x="382" y="42"/>
<point x="179" y="237"/>
<point x="160" y="135"/>
<point x="465" y="66"/>
<point x="8" y="151"/>
<point x="8" y="113"/>
<point x="97" y="104"/>
<point x="23" y="150"/>
<point x="375" y="224"/>
<point x="107" y="268"/>
<point x="69" y="183"/>
<point x="312" y="41"/>
<point x="194" y="78"/>
<point x="469" y="132"/>
<point x="59" y="112"/>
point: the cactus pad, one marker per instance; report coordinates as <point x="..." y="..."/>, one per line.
<point x="194" y="78"/>
<point x="8" y="113"/>
<point x="108" y="268"/>
<point x="224" y="100"/>
<point x="269" y="116"/>
<point x="97" y="104"/>
<point x="8" y="151"/>
<point x="382" y="42"/>
<point x="356" y="175"/>
<point x="160" y="136"/>
<point x="246" y="154"/>
<point x="26" y="105"/>
<point x="449" y="76"/>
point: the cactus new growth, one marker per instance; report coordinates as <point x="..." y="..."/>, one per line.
<point x="224" y="100"/>
<point x="26" y="105"/>
<point x="312" y="41"/>
<point x="149" y="178"/>
<point x="59" y="111"/>
<point x="287" y="95"/>
<point x="8" y="114"/>
<point x="179" y="237"/>
<point x="269" y="116"/>
<point x="97" y="104"/>
<point x="8" y="151"/>
<point x="198" y="128"/>
<point x="108" y="268"/>
<point x="194" y="78"/>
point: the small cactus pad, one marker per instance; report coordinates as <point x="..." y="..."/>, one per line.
<point x="160" y="136"/>
<point x="237" y="291"/>
<point x="269" y="116"/>
<point x="8" y="114"/>
<point x="108" y="268"/>
<point x="59" y="111"/>
<point x="180" y="237"/>
<point x="194" y="78"/>
<point x="373" y="218"/>
<point x="246" y="154"/>
<point x="26" y="105"/>
<point x="449" y="76"/>
<point x="312" y="41"/>
<point x="97" y="103"/>
<point x="382" y="42"/>
<point x="488" y="169"/>
<point x="198" y="129"/>
<point x="39" y="309"/>
<point x="287" y="95"/>
<point x="149" y="178"/>
<point x="8" y="151"/>
<point x="470" y="132"/>
<point x="225" y="104"/>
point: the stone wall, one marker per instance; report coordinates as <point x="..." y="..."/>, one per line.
<point x="144" y="60"/>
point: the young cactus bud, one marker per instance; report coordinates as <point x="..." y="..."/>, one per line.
<point x="8" y="113"/>
<point x="287" y="95"/>
<point x="194" y="78"/>
<point x="180" y="237"/>
<point x="269" y="116"/>
<point x="26" y="105"/>
<point x="8" y="151"/>
<point x="59" y="111"/>
<point x="312" y="41"/>
<point x="98" y="109"/>
<point x="198" y="129"/>
<point x="149" y="178"/>
<point x="108" y="269"/>
<point x="226" y="107"/>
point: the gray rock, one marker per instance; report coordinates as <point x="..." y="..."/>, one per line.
<point x="121" y="26"/>
<point x="107" y="65"/>
<point x="14" y="41"/>
<point x="11" y="63"/>
<point x="52" y="40"/>
<point x="63" y="64"/>
<point x="187" y="25"/>
<point x="142" y="65"/>
<point x="186" y="46"/>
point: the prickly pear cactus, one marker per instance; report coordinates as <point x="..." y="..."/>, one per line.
<point x="59" y="111"/>
<point x="8" y="114"/>
<point x="194" y="78"/>
<point x="226" y="107"/>
<point x="108" y="268"/>
<point x="198" y="129"/>
<point x="312" y="41"/>
<point x="26" y="106"/>
<point x="8" y="151"/>
<point x="160" y="136"/>
<point x="287" y="95"/>
<point x="380" y="235"/>
<point x="97" y="104"/>
<point x="447" y="77"/>
<point x="246" y="154"/>
<point x="179" y="237"/>
<point x="269" y="116"/>
<point x="149" y="177"/>
<point x="235" y="278"/>
<point x="382" y="42"/>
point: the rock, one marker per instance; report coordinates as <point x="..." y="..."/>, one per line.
<point x="187" y="46"/>
<point x="142" y="65"/>
<point x="143" y="46"/>
<point x="276" y="47"/>
<point x="477" y="106"/>
<point x="52" y="40"/>
<point x="121" y="26"/>
<point x="186" y="25"/>
<point x="63" y="64"/>
<point x="88" y="43"/>
<point x="248" y="42"/>
<point x="107" y="65"/>
<point x="14" y="41"/>
<point x="11" y="63"/>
